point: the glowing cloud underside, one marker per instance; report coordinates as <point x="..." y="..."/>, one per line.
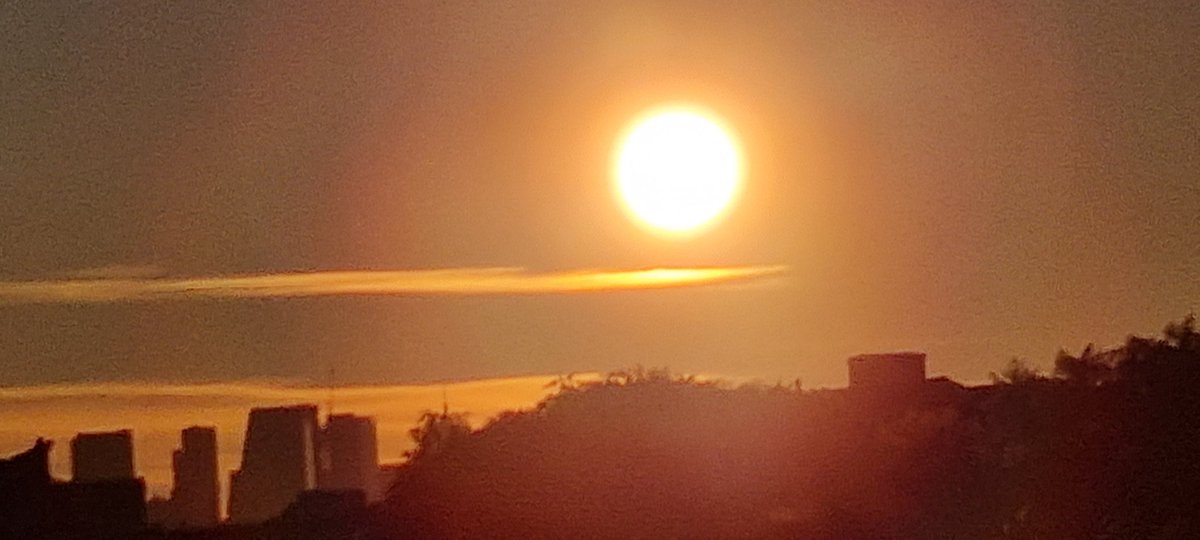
<point x="464" y="281"/>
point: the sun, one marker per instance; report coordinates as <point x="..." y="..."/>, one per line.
<point x="677" y="169"/>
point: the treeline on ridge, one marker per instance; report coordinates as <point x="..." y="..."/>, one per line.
<point x="1106" y="445"/>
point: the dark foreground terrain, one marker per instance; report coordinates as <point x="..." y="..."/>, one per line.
<point x="1106" y="447"/>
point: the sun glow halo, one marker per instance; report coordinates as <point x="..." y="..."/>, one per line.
<point x="677" y="169"/>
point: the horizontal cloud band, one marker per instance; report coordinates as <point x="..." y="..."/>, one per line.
<point x="459" y="281"/>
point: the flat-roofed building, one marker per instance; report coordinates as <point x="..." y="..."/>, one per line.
<point x="102" y="456"/>
<point x="887" y="370"/>
<point x="350" y="455"/>
<point x="278" y="463"/>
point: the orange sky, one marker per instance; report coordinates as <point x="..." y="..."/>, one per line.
<point x="978" y="181"/>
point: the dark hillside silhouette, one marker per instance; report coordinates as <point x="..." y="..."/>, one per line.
<point x="1106" y="447"/>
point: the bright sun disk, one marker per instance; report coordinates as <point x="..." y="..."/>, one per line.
<point x="677" y="170"/>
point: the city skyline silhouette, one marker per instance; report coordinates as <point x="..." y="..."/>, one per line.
<point x="290" y="450"/>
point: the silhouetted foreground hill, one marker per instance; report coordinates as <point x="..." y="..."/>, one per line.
<point x="1106" y="448"/>
<point x="1109" y="448"/>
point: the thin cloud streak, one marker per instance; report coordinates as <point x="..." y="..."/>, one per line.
<point x="453" y="282"/>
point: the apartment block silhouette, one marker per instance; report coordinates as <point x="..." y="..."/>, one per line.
<point x="278" y="462"/>
<point x="102" y="456"/>
<point x="350" y="455"/>
<point x="195" y="499"/>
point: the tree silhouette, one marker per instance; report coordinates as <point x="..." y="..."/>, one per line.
<point x="1017" y="371"/>
<point x="1183" y="335"/>
<point x="435" y="432"/>
<point x="1090" y="368"/>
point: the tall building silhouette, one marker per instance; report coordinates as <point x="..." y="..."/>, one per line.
<point x="278" y="462"/>
<point x="350" y="455"/>
<point x="102" y="456"/>
<point x="196" y="495"/>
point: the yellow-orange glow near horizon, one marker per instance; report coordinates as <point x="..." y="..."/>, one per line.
<point x="677" y="170"/>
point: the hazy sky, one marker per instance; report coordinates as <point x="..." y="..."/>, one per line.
<point x="977" y="182"/>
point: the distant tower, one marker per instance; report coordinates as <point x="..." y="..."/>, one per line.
<point x="351" y="455"/>
<point x="195" y="498"/>
<point x="98" y="457"/>
<point x="278" y="463"/>
<point x="889" y="373"/>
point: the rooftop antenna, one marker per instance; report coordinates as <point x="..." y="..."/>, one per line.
<point x="332" y="387"/>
